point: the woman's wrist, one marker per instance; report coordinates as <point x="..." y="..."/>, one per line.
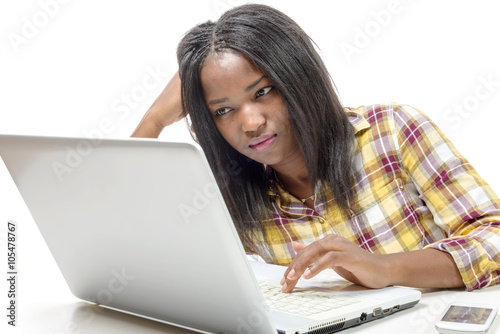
<point x="395" y="270"/>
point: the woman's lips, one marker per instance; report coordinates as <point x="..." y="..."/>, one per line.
<point x="263" y="142"/>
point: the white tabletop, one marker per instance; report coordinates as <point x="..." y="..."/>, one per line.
<point x="52" y="309"/>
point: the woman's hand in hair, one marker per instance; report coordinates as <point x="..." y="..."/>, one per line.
<point x="347" y="259"/>
<point x="165" y="110"/>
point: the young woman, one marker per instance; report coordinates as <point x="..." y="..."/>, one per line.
<point x="377" y="193"/>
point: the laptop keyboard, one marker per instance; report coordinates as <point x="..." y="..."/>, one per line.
<point x="302" y="302"/>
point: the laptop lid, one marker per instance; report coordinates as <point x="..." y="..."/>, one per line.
<point x="136" y="225"/>
<point x="140" y="226"/>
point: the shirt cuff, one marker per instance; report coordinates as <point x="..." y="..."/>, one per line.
<point x="475" y="267"/>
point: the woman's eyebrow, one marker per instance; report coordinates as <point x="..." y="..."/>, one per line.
<point x="218" y="101"/>
<point x="225" y="99"/>
<point x="254" y="84"/>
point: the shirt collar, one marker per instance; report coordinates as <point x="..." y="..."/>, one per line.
<point x="356" y="119"/>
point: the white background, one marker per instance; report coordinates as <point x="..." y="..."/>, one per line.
<point x="82" y="68"/>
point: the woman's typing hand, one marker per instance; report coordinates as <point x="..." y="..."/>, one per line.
<point x="347" y="259"/>
<point x="423" y="268"/>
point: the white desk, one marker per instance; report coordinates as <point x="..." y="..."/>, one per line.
<point x="69" y="316"/>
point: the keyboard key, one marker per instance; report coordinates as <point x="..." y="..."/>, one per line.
<point x="302" y="302"/>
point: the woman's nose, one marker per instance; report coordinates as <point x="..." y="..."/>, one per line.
<point x="251" y="117"/>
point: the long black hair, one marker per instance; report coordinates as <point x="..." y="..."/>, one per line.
<point x="283" y="52"/>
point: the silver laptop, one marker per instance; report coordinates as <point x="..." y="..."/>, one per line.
<point x="140" y="226"/>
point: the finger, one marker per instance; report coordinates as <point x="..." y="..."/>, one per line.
<point x="301" y="261"/>
<point x="308" y="255"/>
<point x="326" y="261"/>
<point x="287" y="272"/>
<point x="289" y="279"/>
<point x="288" y="286"/>
<point x="297" y="246"/>
<point x="296" y="269"/>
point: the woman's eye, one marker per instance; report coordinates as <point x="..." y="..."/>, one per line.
<point x="264" y="91"/>
<point x="222" y="111"/>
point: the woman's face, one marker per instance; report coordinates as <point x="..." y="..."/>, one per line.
<point x="249" y="113"/>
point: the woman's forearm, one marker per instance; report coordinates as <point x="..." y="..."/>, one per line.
<point x="165" y="110"/>
<point x="149" y="127"/>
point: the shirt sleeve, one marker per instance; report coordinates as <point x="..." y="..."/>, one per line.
<point x="462" y="203"/>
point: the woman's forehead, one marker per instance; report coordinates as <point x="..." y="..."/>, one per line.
<point x="227" y="69"/>
<point x="227" y="62"/>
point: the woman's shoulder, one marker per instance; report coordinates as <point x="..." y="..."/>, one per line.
<point x="376" y="111"/>
<point x="398" y="114"/>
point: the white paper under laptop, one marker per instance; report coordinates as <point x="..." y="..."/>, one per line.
<point x="140" y="226"/>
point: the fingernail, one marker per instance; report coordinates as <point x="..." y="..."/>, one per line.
<point x="283" y="288"/>
<point x="291" y="274"/>
<point x="307" y="273"/>
<point x="282" y="281"/>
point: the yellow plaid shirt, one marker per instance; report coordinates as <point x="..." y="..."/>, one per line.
<point x="413" y="190"/>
